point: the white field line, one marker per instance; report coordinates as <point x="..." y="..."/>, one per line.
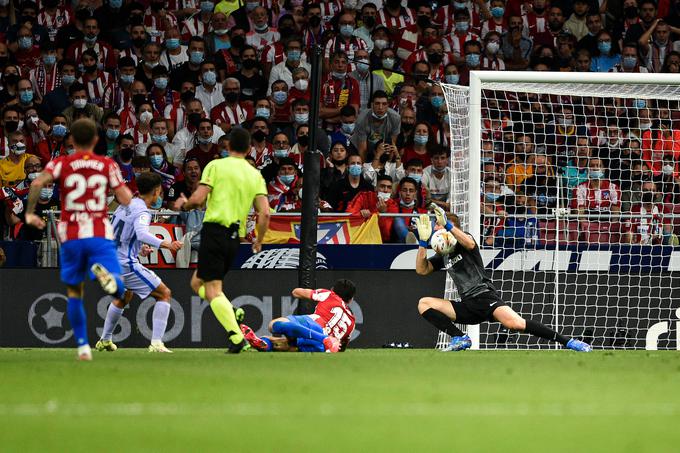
<point x="334" y="410"/>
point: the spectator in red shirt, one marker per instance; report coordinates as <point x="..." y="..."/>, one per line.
<point x="419" y="145"/>
<point x="205" y="150"/>
<point x="648" y="226"/>
<point x="403" y="228"/>
<point x="598" y="195"/>
<point x="368" y="203"/>
<point x="338" y="90"/>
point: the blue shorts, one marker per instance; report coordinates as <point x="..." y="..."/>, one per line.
<point x="78" y="255"/>
<point x="305" y="344"/>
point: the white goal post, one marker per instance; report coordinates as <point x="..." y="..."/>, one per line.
<point x="576" y="245"/>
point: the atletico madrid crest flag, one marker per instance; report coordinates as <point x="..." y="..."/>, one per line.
<point x="331" y="230"/>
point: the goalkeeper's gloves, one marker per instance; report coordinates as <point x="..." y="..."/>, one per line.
<point x="424" y="229"/>
<point x="442" y="220"/>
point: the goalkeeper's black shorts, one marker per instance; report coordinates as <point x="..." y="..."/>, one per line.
<point x="477" y="309"/>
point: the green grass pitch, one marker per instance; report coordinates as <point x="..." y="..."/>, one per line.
<point x="361" y="400"/>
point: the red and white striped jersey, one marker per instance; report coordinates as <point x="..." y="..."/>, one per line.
<point x="114" y="97"/>
<point x="84" y="181"/>
<point x="599" y="200"/>
<point x="176" y="116"/>
<point x="455" y="43"/>
<point x="156" y="27"/>
<point x="261" y="40"/>
<point x="349" y="47"/>
<point x="106" y="57"/>
<point x="162" y="100"/>
<point x="137" y="136"/>
<point x="53" y="23"/>
<point x="647" y="229"/>
<point x="421" y="54"/>
<point x="174" y="5"/>
<point x="129" y="53"/>
<point x="194" y="26"/>
<point x="263" y="158"/>
<point x="333" y="315"/>
<point x="274" y="54"/>
<point x="128" y="119"/>
<point x="492" y="64"/>
<point x="408" y="42"/>
<point x="44" y="81"/>
<point x="534" y="24"/>
<point x="329" y="9"/>
<point x="96" y="88"/>
<point x="222" y="113"/>
<point x="395" y="23"/>
<point x="492" y="25"/>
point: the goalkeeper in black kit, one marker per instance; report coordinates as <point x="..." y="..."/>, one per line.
<point x="458" y="252"/>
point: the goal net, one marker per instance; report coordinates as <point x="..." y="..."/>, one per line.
<point x="571" y="185"/>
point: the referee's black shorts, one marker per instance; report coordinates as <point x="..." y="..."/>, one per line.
<point x="218" y="249"/>
<point x="477" y="309"/>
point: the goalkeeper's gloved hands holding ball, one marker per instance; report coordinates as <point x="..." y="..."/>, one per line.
<point x="424" y="229"/>
<point x="442" y="220"/>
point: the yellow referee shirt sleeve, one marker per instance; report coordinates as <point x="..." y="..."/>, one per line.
<point x="208" y="176"/>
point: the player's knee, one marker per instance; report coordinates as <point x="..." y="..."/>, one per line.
<point x="273" y="324"/>
<point x="424" y="304"/>
<point x="517" y="324"/>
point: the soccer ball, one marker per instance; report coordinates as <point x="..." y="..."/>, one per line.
<point x="443" y="242"/>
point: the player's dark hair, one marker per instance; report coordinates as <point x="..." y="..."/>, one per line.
<point x="239" y="140"/>
<point x="454" y="219"/>
<point x="147" y="182"/>
<point x="84" y="132"/>
<point x="345" y="289"/>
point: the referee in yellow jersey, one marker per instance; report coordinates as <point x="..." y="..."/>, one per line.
<point x="231" y="186"/>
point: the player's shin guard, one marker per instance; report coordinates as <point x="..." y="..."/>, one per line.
<point x="112" y="317"/>
<point x="290" y="329"/>
<point x="161" y="311"/>
<point x="76" y="315"/>
<point x="540" y="330"/>
<point x="442" y="322"/>
<point x="224" y="312"/>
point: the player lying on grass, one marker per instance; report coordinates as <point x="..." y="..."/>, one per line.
<point x="458" y="252"/>
<point x="131" y="229"/>
<point x="328" y="329"/>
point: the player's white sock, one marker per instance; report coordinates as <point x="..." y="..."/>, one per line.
<point x="161" y="311"/>
<point x="112" y="316"/>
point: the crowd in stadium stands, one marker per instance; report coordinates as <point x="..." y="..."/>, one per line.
<point x="166" y="81"/>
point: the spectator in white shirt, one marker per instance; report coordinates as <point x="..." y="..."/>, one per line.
<point x="209" y="92"/>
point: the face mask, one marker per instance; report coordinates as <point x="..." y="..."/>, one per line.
<point x="416" y="177"/>
<point x="280" y="97"/>
<point x="384" y="196"/>
<point x="369" y="22"/>
<point x="203" y="141"/>
<point x="162" y="139"/>
<point x="459" y="5"/>
<point x="338" y="75"/>
<point x="629" y="62"/>
<point x="207" y="7"/>
<point x="161" y="83"/>
<point x="303" y="140"/>
<point x="157" y="204"/>
<point x="346" y="30"/>
<point x="115" y="4"/>
<point x="280" y="153"/>
<point x="380" y="44"/>
<point x="145" y="117"/>
<point x="139" y="42"/>
<point x="565" y="121"/>
<point x="667" y="170"/>
<point x="224" y="153"/>
<point x="59" y="130"/>
<point x="79" y="103"/>
<point x="472" y="59"/>
<point x="68" y="80"/>
<point x="49" y="60"/>
<point x="492" y="196"/>
<point x="452" y="79"/>
<point x="196" y="57"/>
<point x="156" y="160"/>
<point x="362" y="66"/>
<point x="26" y="97"/>
<point x="249" y="64"/>
<point x="261" y="27"/>
<point x="639" y="103"/>
<point x="645" y="126"/>
<point x="70" y="151"/>
<point x="32" y="176"/>
<point x="435" y="58"/>
<point x="194" y="119"/>
<point x="19" y="148"/>
<point x="462" y="26"/>
<point x="647" y="197"/>
<point x="252" y="5"/>
<point x="46" y="193"/>
<point x="493" y="47"/>
<point x="314" y="21"/>
<point x="596" y="174"/>
<point x="301" y="84"/>
<point x="294" y="55"/>
<point x="172" y="43"/>
<point x="231" y="97"/>
<point x="420" y="139"/>
<point x="209" y="78"/>
<point x="112" y="134"/>
<point x="262" y="112"/>
<point x="90" y="39"/>
<point x="287" y="179"/>
<point x="301" y="118"/>
<point x="355" y="170"/>
<point x="347" y="128"/>
<point x="437" y="101"/>
<point x="604" y="47"/>
<point x="90" y="68"/>
<point x="410" y="204"/>
<point x="631" y="12"/>
<point x="126" y="154"/>
<point x="497" y="12"/>
<point x="388" y="63"/>
<point x="259" y="136"/>
<point x="126" y="79"/>
<point x="25" y="42"/>
<point x="379" y="117"/>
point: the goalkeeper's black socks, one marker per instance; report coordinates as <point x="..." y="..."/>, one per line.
<point x="540" y="330"/>
<point x="442" y="322"/>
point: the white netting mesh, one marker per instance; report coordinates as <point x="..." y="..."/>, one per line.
<point x="580" y="207"/>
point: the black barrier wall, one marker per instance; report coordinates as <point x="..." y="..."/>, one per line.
<point x="33" y="308"/>
<point x="608" y="310"/>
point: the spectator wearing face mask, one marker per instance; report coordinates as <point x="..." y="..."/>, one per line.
<point x="161" y="95"/>
<point x="12" y="167"/>
<point x="658" y="142"/>
<point x="159" y="135"/>
<point x="293" y="60"/>
<point x="647" y="225"/>
<point x="462" y="33"/>
<point x="369" y="83"/>
<point x="492" y="209"/>
<point x="341" y="192"/>
<point x="421" y="145"/>
<point x="106" y="144"/>
<point x="205" y="149"/>
<point x="437" y="178"/>
<point x="542" y="186"/>
<point x="124" y="154"/>
<point x="231" y="112"/>
<point x="300" y="88"/>
<point x="403" y="228"/>
<point x="281" y="151"/>
<point x="336" y="168"/>
<point x="380" y="123"/>
<point x="280" y="190"/>
<point x="209" y="92"/>
<point x="368" y="203"/>
<point x="492" y="59"/>
<point x="386" y="161"/>
<point x="159" y="164"/>
<point x="141" y="132"/>
<point x="598" y="195"/>
<point x="252" y="84"/>
<point x="79" y="105"/>
<point x="91" y="41"/>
